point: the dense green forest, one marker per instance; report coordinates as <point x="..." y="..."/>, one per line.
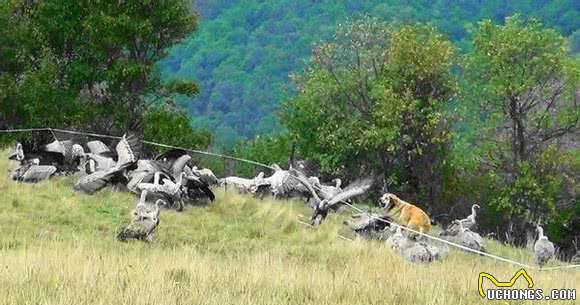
<point x="244" y="51"/>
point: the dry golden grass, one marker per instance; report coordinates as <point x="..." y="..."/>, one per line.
<point x="58" y="247"/>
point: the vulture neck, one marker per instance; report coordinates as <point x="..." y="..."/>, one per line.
<point x="143" y="197"/>
<point x="541" y="233"/>
<point x="473" y="211"/>
<point x="158" y="203"/>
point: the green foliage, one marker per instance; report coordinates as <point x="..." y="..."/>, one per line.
<point x="11" y="109"/>
<point x="45" y="103"/>
<point x="266" y="150"/>
<point x="182" y="87"/>
<point x="173" y="129"/>
<point x="523" y="82"/>
<point x="526" y="193"/>
<point x="245" y="50"/>
<point x="528" y="80"/>
<point x="574" y="42"/>
<point x="542" y="190"/>
<point x="86" y="64"/>
<point x="373" y="97"/>
<point x="515" y="57"/>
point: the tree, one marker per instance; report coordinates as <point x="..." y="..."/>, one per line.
<point x="373" y="97"/>
<point x="172" y="128"/>
<point x="13" y="36"/>
<point x="529" y="77"/>
<point x="528" y="84"/>
<point x="267" y="150"/>
<point x="89" y="64"/>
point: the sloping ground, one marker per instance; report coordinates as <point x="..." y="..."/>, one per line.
<point x="58" y="247"/>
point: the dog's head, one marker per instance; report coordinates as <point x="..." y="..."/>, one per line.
<point x="389" y="201"/>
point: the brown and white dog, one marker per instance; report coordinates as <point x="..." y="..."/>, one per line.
<point x="405" y="213"/>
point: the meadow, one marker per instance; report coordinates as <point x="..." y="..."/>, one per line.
<point x="59" y="247"/>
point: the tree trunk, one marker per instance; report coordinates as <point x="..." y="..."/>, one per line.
<point x="384" y="172"/>
<point x="518" y="130"/>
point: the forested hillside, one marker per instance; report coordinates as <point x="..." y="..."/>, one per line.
<point x="245" y="50"/>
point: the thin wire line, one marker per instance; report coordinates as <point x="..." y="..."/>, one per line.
<point x="54" y="135"/>
<point x="558" y="267"/>
<point x="85" y="133"/>
<point x="294" y="177"/>
<point x="22" y="130"/>
<point x="171" y="146"/>
<point x="446" y="241"/>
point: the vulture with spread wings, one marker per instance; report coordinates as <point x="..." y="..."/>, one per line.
<point x="322" y="206"/>
<point x="128" y="151"/>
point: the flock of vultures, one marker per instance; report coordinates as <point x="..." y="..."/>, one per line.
<point x="172" y="180"/>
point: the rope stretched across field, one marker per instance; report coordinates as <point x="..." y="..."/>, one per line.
<point x="506" y="260"/>
<point x="201" y="152"/>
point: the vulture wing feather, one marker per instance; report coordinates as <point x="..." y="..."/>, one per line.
<point x="55" y="146"/>
<point x="128" y="149"/>
<point x="304" y="181"/>
<point x="98" y="148"/>
<point x="195" y="182"/>
<point x="96" y="181"/>
<point x="179" y="164"/>
<point x="36" y="173"/>
<point x="356" y="188"/>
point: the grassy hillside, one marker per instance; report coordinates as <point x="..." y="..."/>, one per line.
<point x="58" y="247"/>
